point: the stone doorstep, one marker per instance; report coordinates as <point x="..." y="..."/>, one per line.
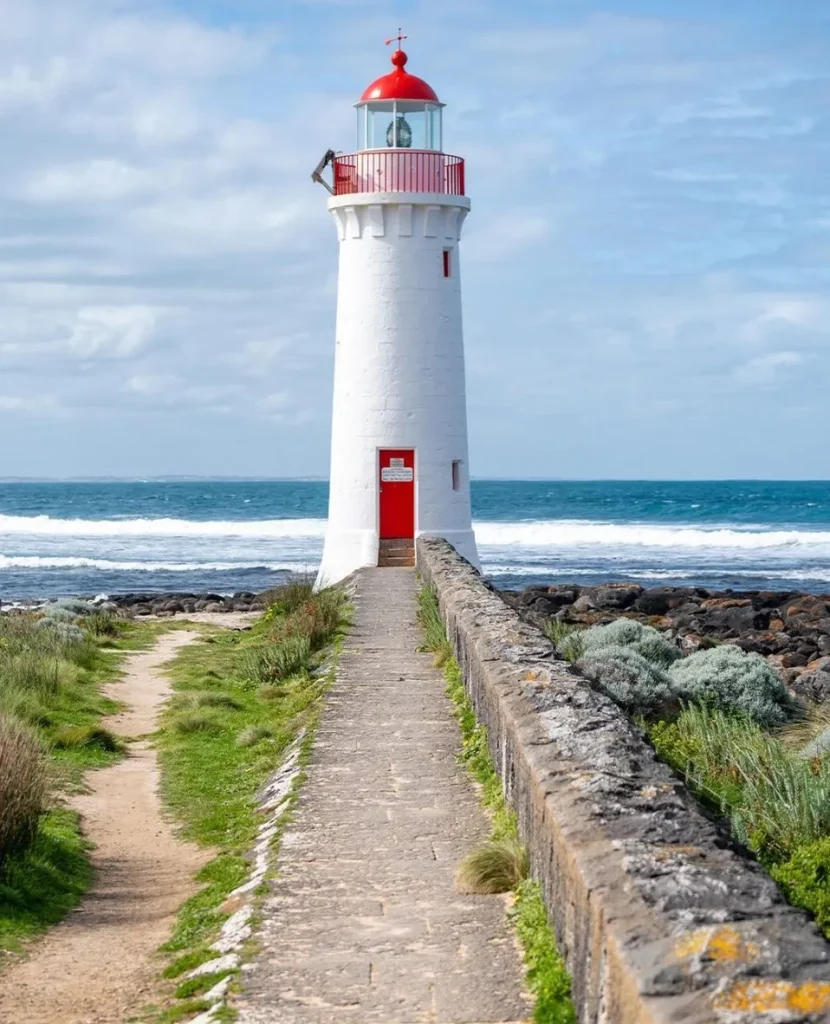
<point x="658" y="918"/>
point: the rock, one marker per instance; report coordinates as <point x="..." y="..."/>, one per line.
<point x="615" y="595"/>
<point x="584" y="603"/>
<point x="659" y="600"/>
<point x="813" y="686"/>
<point x="764" y="643"/>
<point x="794" y="659"/>
<point x="820" y="664"/>
<point x="142" y="609"/>
<point x="690" y="643"/>
<point x="214" y="606"/>
<point x="806" y="607"/>
<point x="739" y="618"/>
<point x="824" y="644"/>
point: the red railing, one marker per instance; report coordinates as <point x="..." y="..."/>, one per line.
<point x="399" y="170"/>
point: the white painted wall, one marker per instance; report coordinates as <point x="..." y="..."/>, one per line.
<point x="399" y="371"/>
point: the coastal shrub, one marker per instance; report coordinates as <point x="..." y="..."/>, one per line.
<point x="78" y="607"/>
<point x="315" y="620"/>
<point x="55" y="613"/>
<point x="25" y="634"/>
<point x="727" y="677"/>
<point x="627" y="678"/>
<point x="775" y="800"/>
<point x="102" y="624"/>
<point x="645" y="640"/>
<point x="297" y="591"/>
<point x="67" y="632"/>
<point x="22" y="786"/>
<point x="566" y="638"/>
<point x="805" y="879"/>
<point x="498" y="866"/>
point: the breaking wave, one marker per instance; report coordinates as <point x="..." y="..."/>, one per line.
<point x="538" y="534"/>
<point x="571" y="534"/>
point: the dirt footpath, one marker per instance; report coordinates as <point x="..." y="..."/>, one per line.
<point x="98" y="966"/>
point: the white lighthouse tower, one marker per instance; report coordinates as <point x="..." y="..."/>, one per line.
<point x="399" y="463"/>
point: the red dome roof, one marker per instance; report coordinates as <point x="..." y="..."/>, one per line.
<point x="399" y="85"/>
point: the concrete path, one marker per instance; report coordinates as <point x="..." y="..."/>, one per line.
<point x="364" y="923"/>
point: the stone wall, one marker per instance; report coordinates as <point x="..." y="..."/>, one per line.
<point x="661" y="921"/>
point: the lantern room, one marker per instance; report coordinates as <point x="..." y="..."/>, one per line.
<point x="399" y="111"/>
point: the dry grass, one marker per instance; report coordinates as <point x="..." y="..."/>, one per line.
<point x="23" y="786"/>
<point x="497" y="866"/>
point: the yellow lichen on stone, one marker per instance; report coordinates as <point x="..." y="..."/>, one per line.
<point x="724" y="944"/>
<point x="770" y="996"/>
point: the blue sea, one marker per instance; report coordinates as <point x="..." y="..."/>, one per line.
<point x="225" y="536"/>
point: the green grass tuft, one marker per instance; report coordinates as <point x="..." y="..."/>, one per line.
<point x="73" y="737"/>
<point x="197" y="722"/>
<point x="498" y="866"/>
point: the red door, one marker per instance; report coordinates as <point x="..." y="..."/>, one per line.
<point x="397" y="493"/>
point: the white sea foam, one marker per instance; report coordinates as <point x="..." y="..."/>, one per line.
<point x="537" y="534"/>
<point x="264" y="528"/>
<point x="571" y="534"/>
<point x="569" y="572"/>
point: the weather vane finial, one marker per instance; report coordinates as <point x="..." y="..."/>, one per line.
<point x="400" y="38"/>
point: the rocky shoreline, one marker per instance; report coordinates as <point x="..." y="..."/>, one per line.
<point x="790" y="629"/>
<point x="160" y="605"/>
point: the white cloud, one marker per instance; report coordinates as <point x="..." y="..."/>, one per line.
<point x="114" y="332"/>
<point x="767" y="369"/>
<point x="35" y="405"/>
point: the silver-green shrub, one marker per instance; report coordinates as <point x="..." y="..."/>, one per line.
<point x="75" y="605"/>
<point x="56" y="613"/>
<point x="627" y="678"/>
<point x="67" y="632"/>
<point x="733" y="680"/>
<point x="645" y="640"/>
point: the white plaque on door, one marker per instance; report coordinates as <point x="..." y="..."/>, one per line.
<point x="396" y="474"/>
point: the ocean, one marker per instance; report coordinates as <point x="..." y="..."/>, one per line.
<point x="59" y="539"/>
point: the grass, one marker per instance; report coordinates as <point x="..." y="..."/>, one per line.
<point x="498" y="866"/>
<point x="50" y="681"/>
<point x="40" y="888"/>
<point x="566" y="638"/>
<point x="547" y="976"/>
<point x="776" y="802"/>
<point x="222" y="736"/>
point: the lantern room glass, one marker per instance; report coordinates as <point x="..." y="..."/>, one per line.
<point x="399" y="124"/>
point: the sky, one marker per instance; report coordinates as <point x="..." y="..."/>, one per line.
<point x="645" y="269"/>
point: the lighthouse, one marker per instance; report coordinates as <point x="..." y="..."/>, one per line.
<point x="399" y="460"/>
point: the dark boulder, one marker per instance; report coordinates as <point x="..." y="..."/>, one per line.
<point x="660" y="600"/>
<point x="812" y="685"/>
<point x="617" y="596"/>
